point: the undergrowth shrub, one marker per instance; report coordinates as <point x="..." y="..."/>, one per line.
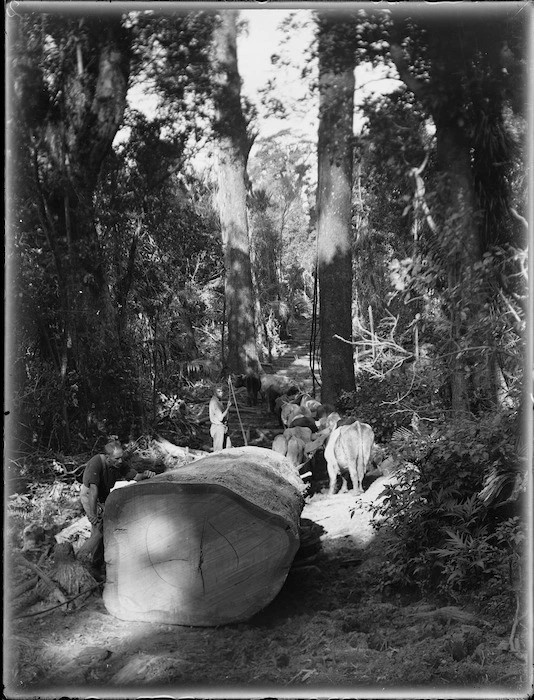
<point x="388" y="399"/>
<point x="50" y="505"/>
<point x="445" y="538"/>
<point x="488" y="558"/>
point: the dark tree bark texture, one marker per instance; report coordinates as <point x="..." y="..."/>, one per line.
<point x="336" y="90"/>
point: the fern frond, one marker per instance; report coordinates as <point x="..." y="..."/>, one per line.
<point x="401" y="434"/>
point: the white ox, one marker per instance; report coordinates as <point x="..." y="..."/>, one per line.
<point x="349" y="450"/>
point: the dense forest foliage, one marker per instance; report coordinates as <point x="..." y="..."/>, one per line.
<point x="149" y="254"/>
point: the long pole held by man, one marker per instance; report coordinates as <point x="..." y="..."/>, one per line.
<point x="219" y="420"/>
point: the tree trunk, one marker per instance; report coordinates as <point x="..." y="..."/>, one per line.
<point x="336" y="90"/>
<point x="203" y="544"/>
<point x="462" y="246"/>
<point x="233" y="148"/>
<point x="67" y="139"/>
<point x="95" y="98"/>
<point x="261" y="336"/>
<point x="455" y="52"/>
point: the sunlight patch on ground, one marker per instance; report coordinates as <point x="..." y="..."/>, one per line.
<point x="334" y="515"/>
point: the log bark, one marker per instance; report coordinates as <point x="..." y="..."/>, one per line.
<point x="203" y="544"/>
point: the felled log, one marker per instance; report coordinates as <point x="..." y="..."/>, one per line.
<point x="203" y="544"/>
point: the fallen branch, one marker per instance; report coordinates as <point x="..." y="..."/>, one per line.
<point x="177" y="451"/>
<point x="25" y="587"/>
<point x="379" y="347"/>
<point x="448" y="614"/>
<point x="48" y="581"/>
<point x="59" y="605"/>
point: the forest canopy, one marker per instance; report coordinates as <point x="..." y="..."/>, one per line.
<point x="151" y="251"/>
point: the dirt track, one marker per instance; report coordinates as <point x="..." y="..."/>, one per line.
<point x="330" y="630"/>
<point x="293" y="361"/>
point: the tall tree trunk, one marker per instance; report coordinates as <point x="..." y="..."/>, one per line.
<point x="68" y="137"/>
<point x="461" y="241"/>
<point x="454" y="51"/>
<point x="336" y="105"/>
<point x="233" y="150"/>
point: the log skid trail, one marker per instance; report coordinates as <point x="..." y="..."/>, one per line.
<point x="329" y="627"/>
<point x="294" y="362"/>
<point x="334" y="515"/>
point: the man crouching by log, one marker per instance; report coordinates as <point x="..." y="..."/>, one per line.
<point x="219" y="420"/>
<point x="100" y="475"/>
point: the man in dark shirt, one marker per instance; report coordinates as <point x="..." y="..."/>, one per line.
<point x="100" y="475"/>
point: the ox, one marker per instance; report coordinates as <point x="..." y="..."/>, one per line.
<point x="252" y="384"/>
<point x="329" y="421"/>
<point x="302" y="420"/>
<point x="290" y="446"/>
<point x="280" y="445"/>
<point x="295" y="450"/>
<point x="274" y="385"/>
<point x="312" y="405"/>
<point x="349" y="450"/>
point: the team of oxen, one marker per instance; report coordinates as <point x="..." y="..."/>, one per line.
<point x="312" y="430"/>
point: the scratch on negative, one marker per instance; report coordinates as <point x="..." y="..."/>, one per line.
<point x="151" y="563"/>
<point x="201" y="556"/>
<point x="226" y="538"/>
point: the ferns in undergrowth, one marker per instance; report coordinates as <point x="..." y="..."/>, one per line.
<point x="450" y="534"/>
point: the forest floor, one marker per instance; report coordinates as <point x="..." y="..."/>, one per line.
<point x="332" y="630"/>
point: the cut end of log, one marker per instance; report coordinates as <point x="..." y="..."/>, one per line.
<point x="204" y="544"/>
